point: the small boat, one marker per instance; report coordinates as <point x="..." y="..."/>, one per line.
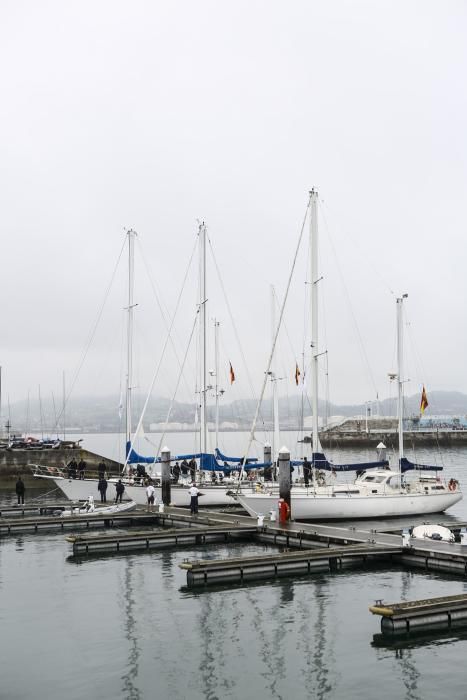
<point x="433" y="532"/>
<point x="89" y="508"/>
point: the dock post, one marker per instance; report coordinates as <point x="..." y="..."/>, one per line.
<point x="284" y="477"/>
<point x="165" y="475"/>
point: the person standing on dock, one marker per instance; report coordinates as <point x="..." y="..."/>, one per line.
<point x="119" y="488"/>
<point x="20" y="489"/>
<point x="151" y="496"/>
<point x="194" y="493"/>
<point x="81" y="468"/>
<point x="102" y="488"/>
<point x="101" y="469"/>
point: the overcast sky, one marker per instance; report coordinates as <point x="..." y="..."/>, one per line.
<point x="152" y="115"/>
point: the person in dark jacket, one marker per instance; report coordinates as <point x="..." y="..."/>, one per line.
<point x="119" y="488"/>
<point x="192" y="468"/>
<point x="81" y="468"/>
<point x="176" y="472"/>
<point x="101" y="469"/>
<point x="102" y="488"/>
<point x="72" y="467"/>
<point x="20" y="489"/>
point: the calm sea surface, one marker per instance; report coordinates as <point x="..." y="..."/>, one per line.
<point x="126" y="627"/>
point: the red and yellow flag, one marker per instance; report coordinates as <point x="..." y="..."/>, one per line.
<point x="232" y="374"/>
<point x="297" y="374"/>
<point x="424" y="401"/>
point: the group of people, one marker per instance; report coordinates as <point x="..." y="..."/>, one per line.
<point x="77" y="469"/>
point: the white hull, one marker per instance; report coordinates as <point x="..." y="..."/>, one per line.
<point x="81" y="489"/>
<point x="347" y="507"/>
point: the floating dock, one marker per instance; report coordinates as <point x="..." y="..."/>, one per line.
<point x="421" y="615"/>
<point x="267" y="566"/>
<point x="141" y="541"/>
<point x="54" y="523"/>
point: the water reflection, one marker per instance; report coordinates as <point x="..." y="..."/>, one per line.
<point x="19" y="544"/>
<point x="403" y="644"/>
<point x="130" y="690"/>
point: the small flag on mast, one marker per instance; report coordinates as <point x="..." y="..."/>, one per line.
<point x="424" y="401"/>
<point x="297" y="374"/>
<point x="232" y="374"/>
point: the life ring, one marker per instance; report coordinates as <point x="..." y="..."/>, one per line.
<point x="452" y="486"/>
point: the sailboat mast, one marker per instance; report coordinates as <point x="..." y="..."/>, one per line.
<point x="314" y="313"/>
<point x="129" y="373"/>
<point x="400" y="375"/>
<point x="202" y="331"/>
<point x="216" y="352"/>
<point x="275" y="395"/>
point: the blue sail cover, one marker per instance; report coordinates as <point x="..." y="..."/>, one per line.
<point x="207" y="461"/>
<point x="219" y="455"/>
<point x="319" y="461"/>
<point x="406" y="466"/>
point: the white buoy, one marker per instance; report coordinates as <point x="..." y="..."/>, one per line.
<point x="272" y="515"/>
<point x="161" y="507"/>
<point x="463" y="536"/>
<point x="260" y="519"/>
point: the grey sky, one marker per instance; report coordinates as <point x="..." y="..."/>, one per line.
<point x="152" y="114"/>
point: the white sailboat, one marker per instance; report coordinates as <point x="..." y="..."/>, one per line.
<point x="375" y="493"/>
<point x="213" y="494"/>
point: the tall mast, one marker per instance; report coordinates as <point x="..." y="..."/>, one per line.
<point x="129" y="372"/>
<point x="314" y="313"/>
<point x="216" y="352"/>
<point x="400" y="374"/>
<point x="276" y="438"/>
<point x="202" y="332"/>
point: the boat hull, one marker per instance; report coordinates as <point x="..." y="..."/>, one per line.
<point x="81" y="489"/>
<point x="348" y="507"/>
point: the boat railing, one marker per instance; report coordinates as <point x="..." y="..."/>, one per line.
<point x="42" y="470"/>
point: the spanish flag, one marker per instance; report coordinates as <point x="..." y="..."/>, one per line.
<point x="297" y="374"/>
<point x="232" y="374"/>
<point x="423" y="402"/>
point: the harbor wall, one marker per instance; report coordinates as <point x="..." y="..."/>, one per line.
<point x="17" y="461"/>
<point x="444" y="438"/>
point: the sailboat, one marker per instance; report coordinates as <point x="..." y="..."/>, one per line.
<point x="378" y="491"/>
<point x="207" y="462"/>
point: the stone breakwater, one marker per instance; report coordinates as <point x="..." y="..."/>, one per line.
<point x="444" y="438"/>
<point x="15" y="462"/>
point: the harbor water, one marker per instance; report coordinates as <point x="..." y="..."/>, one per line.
<point x="126" y="626"/>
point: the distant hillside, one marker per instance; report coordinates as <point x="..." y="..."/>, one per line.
<point x="104" y="414"/>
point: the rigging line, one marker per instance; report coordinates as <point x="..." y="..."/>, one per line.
<point x="229" y="309"/>
<point x="91" y="334"/>
<point x="177" y="385"/>
<point x="148" y="396"/>
<point x="168" y="326"/>
<point x="271" y="354"/>
<point x="352" y="313"/>
<point x="364" y="253"/>
<point x="232" y="320"/>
